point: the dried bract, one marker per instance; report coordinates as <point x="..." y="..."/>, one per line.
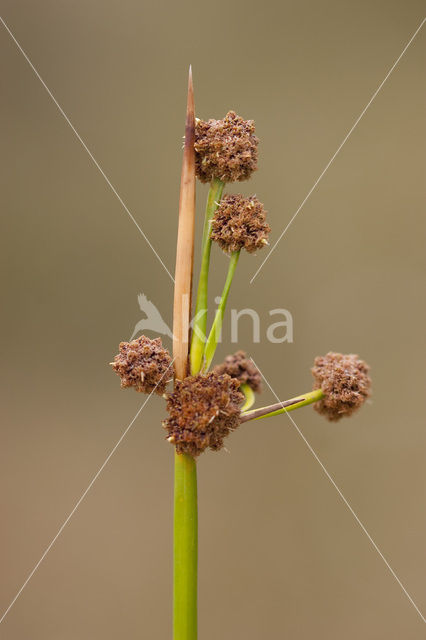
<point x="239" y="223"/>
<point x="239" y="366"/>
<point x="203" y="410"/>
<point x="225" y="149"/>
<point x="143" y="364"/>
<point x="344" y="381"/>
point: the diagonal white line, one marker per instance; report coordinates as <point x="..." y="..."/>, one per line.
<point x="83" y="495"/>
<point x="85" y="147"/>
<point x="339" y="147"/>
<point x="345" y="501"/>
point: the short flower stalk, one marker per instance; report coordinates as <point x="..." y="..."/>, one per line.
<point x="207" y="405"/>
<point x="282" y="407"/>
<point x="199" y="328"/>
<point x="216" y="329"/>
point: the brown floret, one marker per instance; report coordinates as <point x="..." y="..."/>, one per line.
<point x="239" y="366"/>
<point x="143" y="364"/>
<point x="225" y="149"/>
<point x="240" y="222"/>
<point x="344" y="381"/>
<point x="203" y="410"/>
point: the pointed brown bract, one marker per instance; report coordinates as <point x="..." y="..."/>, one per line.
<point x="185" y="244"/>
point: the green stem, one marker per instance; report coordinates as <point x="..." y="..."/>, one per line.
<point x="199" y="328"/>
<point x="249" y="394"/>
<point x="214" y="334"/>
<point x="283" y="407"/>
<point x="185" y="549"/>
<point x="185" y="538"/>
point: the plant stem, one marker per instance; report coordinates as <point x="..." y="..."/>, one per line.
<point x="214" y="334"/>
<point x="185" y="549"/>
<point x="200" y="317"/>
<point x="185" y="506"/>
<point x="283" y="407"/>
<point x="249" y="394"/>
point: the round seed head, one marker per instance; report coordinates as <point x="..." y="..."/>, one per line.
<point x="239" y="223"/>
<point x="143" y="364"/>
<point x="344" y="381"/>
<point x="203" y="410"/>
<point x="225" y="149"/>
<point x="239" y="366"/>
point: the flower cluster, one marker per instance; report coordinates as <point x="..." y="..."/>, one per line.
<point x="345" y="382"/>
<point x="203" y="410"/>
<point x="239" y="223"/>
<point x="239" y="366"/>
<point x="143" y="364"/>
<point x="225" y="149"/>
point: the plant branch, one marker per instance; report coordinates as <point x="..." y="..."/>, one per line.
<point x="283" y="407"/>
<point x="199" y="328"/>
<point x="214" y="334"/>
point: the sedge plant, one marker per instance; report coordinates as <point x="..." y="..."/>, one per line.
<point x="207" y="404"/>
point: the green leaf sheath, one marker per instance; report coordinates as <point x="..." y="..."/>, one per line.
<point x="199" y="328"/>
<point x="185" y="549"/>
<point x="214" y="334"/>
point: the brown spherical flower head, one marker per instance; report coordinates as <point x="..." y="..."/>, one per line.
<point x="143" y="364"/>
<point x="240" y="222"/>
<point x="203" y="410"/>
<point x="344" y="381"/>
<point x="225" y="149"/>
<point x="239" y="366"/>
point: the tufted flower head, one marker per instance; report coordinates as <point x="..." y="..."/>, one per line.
<point x="344" y="381"/>
<point x="239" y="366"/>
<point x="225" y="149"/>
<point x="203" y="410"/>
<point x="239" y="223"/>
<point x="143" y="364"/>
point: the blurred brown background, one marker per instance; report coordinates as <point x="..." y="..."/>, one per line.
<point x="280" y="554"/>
